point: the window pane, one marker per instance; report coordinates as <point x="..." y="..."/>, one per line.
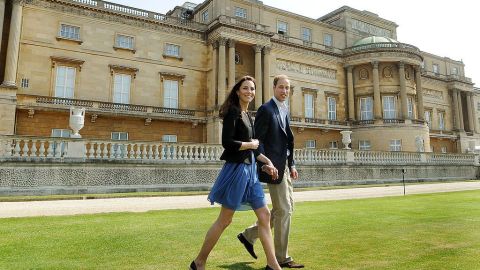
<point x="306" y="34"/>
<point x="389" y="110"/>
<point x="170" y="98"/>
<point x="366" y="108"/>
<point x="309" y="106"/>
<point x="65" y="82"/>
<point x="332" y="109"/>
<point x="121" y="91"/>
<point x="327" y="40"/>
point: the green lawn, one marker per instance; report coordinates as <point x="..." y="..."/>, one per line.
<point x="435" y="231"/>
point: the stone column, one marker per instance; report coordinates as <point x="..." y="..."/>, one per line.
<point x="460" y="111"/>
<point x="377" y="103"/>
<point x="470" y="112"/>
<point x="351" y="98"/>
<point x="221" y="70"/>
<point x="403" y="90"/>
<point x="13" y="45"/>
<point x="258" y="76"/>
<point x="213" y="83"/>
<point x="456" y="113"/>
<point x="474" y="112"/>
<point x="2" y="13"/>
<point x="267" y="88"/>
<point x="231" y="63"/>
<point x="418" y="83"/>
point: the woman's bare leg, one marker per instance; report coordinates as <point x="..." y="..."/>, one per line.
<point x="265" y="235"/>
<point x="224" y="219"/>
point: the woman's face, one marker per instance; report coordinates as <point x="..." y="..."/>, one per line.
<point x="246" y="93"/>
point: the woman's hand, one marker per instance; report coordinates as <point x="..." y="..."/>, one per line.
<point x="270" y="170"/>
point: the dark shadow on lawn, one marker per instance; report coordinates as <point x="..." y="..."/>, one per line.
<point x="238" y="266"/>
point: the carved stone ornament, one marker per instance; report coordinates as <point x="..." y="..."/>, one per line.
<point x="148" y="121"/>
<point x="363" y="73"/>
<point x="93" y="118"/>
<point x="407" y="74"/>
<point x="117" y="68"/>
<point x="176" y="76"/>
<point x="387" y="72"/>
<point x="67" y="60"/>
<point x="31" y="113"/>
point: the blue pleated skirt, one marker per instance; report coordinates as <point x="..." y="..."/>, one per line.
<point x="237" y="187"/>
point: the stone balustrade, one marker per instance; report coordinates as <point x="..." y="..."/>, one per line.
<point x="24" y="148"/>
<point x="305" y="43"/>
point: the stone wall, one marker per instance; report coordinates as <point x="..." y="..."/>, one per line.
<point x="20" y="178"/>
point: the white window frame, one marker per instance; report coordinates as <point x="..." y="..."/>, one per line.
<point x="332" y="108"/>
<point x="306" y="33"/>
<point x="428" y="118"/>
<point x="441" y="120"/>
<point x="364" y="145"/>
<point x="309" y="105"/>
<point x="172" y="50"/>
<point x="443" y="149"/>
<point x="333" y="145"/>
<point x="68" y="31"/>
<point x="241" y="12"/>
<point x="366" y="108"/>
<point x="389" y="109"/>
<point x="395" y="145"/>
<point x="454" y="71"/>
<point x="282" y="28"/>
<point x="169" y="138"/>
<point x="65" y="83"/>
<point x="122" y="84"/>
<point x="170" y="95"/>
<point x="125" y="42"/>
<point x="410" y="107"/>
<point x="436" y="68"/>
<point x="328" y="40"/>
<point x="205" y="16"/>
<point x="310" y="144"/>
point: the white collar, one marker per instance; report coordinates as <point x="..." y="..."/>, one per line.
<point x="280" y="105"/>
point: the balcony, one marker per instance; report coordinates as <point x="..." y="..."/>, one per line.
<point x="289" y="40"/>
<point x="381" y="46"/>
<point x="100" y="107"/>
<point x="135" y="12"/>
<point x="242" y="23"/>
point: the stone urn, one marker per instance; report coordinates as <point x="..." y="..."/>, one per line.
<point x="346" y="139"/>
<point x="77" y="120"/>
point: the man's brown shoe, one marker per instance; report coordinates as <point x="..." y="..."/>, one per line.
<point x="247" y="245"/>
<point x="291" y="264"/>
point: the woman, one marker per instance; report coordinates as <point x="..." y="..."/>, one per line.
<point x="237" y="186"/>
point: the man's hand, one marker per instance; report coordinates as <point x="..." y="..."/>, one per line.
<point x="254" y="144"/>
<point x="293" y="173"/>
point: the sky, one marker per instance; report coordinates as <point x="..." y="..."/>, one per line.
<point x="444" y="28"/>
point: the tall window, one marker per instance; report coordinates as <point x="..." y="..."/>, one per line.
<point x="389" y="110"/>
<point x="172" y="50"/>
<point x="332" y="108"/>
<point x="309" y="108"/>
<point x="306" y="34"/>
<point x="69" y="31"/>
<point x="395" y="145"/>
<point x="240" y="12"/>
<point x="65" y="82"/>
<point x="366" y="108"/>
<point x="310" y="144"/>
<point x="125" y="42"/>
<point x="205" y="16"/>
<point x="121" y="88"/>
<point x="410" y="107"/>
<point x="328" y="40"/>
<point x="454" y="71"/>
<point x="435" y="68"/>
<point x="441" y="120"/>
<point x="282" y="28"/>
<point x="364" y="145"/>
<point x="59" y="147"/>
<point x="170" y="97"/>
<point x="428" y="118"/>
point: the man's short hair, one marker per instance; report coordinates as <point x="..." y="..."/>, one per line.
<point x="278" y="77"/>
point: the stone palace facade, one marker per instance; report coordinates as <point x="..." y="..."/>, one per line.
<point x="146" y="76"/>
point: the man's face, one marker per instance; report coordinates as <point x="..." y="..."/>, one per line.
<point x="282" y="89"/>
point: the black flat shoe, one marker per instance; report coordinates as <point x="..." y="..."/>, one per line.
<point x="268" y="267"/>
<point x="247" y="245"/>
<point x="193" y="266"/>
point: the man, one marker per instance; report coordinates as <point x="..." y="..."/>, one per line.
<point x="272" y="128"/>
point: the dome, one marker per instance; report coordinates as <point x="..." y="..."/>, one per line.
<point x="374" y="39"/>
